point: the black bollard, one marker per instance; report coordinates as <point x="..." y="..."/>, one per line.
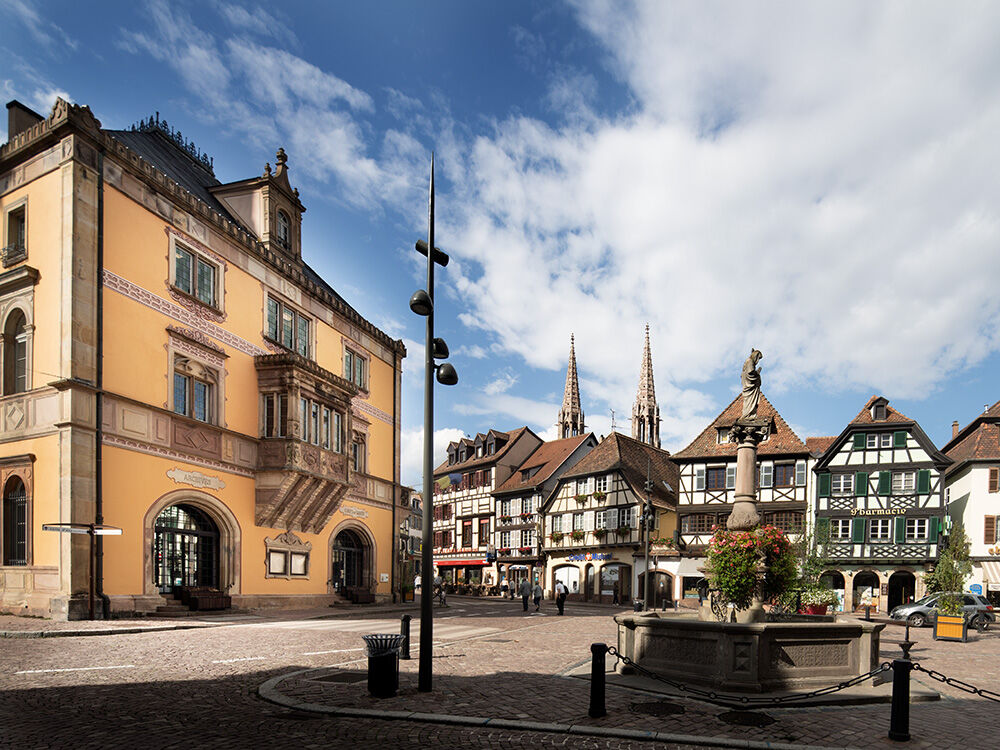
<point x="404" y="630"/>
<point x="899" y="719"/>
<point x="598" y="652"/>
<point x="868" y="613"/>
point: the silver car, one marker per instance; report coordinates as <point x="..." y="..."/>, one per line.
<point x="978" y="611"/>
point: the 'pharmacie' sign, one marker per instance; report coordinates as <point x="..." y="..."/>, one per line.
<point x="590" y="556"/>
<point x="876" y="511"/>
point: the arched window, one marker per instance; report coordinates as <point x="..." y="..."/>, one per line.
<point x="284" y="232"/>
<point x="15" y="354"/>
<point x="15" y="523"/>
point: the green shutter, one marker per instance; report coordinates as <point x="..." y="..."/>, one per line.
<point x="858" y="530"/>
<point x="884" y="482"/>
<point x="861" y="484"/>
<point x="824" y="484"/>
<point x="822" y="530"/>
<point x="899" y="439"/>
<point x="923" y="481"/>
<point x="859" y="440"/>
<point x="900" y="530"/>
<point x="932" y="530"/>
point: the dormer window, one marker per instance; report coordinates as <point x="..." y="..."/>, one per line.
<point x="283" y="230"/>
<point x="722" y="435"/>
<point x="878" y="412"/>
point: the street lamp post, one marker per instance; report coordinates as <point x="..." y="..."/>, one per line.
<point x="422" y="303"/>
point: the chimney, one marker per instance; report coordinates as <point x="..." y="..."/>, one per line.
<point x="954" y="429"/>
<point x="20" y="118"/>
<point x="986" y="408"/>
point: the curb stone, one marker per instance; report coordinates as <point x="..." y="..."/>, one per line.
<point x="108" y="631"/>
<point x="268" y="691"/>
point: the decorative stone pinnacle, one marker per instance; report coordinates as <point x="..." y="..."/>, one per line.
<point x="267" y="169"/>
<point x="281" y="157"/>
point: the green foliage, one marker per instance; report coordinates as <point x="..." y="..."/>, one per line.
<point x="577" y="535"/>
<point x="557" y="536"/>
<point x="734" y="557"/>
<point x="599" y="496"/>
<point x="953" y="565"/>
<point x="599" y="533"/>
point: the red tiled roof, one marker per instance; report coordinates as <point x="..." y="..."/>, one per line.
<point x="549" y="456"/>
<point x="471" y="463"/>
<point x="632" y="458"/>
<point x="891" y="415"/>
<point x="782" y="440"/>
<point x="982" y="443"/>
<point x="818" y="445"/>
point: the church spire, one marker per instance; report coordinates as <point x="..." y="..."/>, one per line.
<point x="571" y="414"/>
<point x="645" y="411"/>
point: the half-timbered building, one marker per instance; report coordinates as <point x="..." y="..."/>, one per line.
<point x="519" y="500"/>
<point x="592" y="537"/>
<point x="707" y="470"/>
<point x="463" y="501"/>
<point x="879" y="505"/>
<point x="972" y="496"/>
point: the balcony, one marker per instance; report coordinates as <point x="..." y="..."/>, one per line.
<point x="300" y="484"/>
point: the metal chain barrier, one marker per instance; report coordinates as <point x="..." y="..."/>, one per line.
<point x="725" y="699"/>
<point x="963" y="686"/>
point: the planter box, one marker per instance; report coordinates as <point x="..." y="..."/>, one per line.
<point x="951" y="628"/>
<point x="814" y="609"/>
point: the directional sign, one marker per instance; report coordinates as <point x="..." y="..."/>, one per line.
<point x="97" y="529"/>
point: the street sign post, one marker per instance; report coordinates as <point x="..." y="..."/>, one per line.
<point x="93" y="530"/>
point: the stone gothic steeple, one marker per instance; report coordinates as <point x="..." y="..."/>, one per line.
<point x="645" y="412"/>
<point x="571" y="414"/>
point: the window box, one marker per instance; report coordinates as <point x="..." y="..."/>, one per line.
<point x="599" y="496"/>
<point x="580" y="499"/>
<point x="599" y="533"/>
<point x="577" y="535"/>
<point x="623" y="530"/>
<point x="556" y="536"/>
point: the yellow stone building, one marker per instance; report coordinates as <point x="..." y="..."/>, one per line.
<point x="173" y="368"/>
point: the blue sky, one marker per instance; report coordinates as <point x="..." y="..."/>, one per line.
<point x="817" y="180"/>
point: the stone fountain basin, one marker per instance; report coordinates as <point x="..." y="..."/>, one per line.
<point x="760" y="657"/>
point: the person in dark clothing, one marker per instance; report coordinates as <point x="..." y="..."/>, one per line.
<point x="561" y="593"/>
<point x="524" y="590"/>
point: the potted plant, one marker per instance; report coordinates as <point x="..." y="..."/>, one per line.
<point x="599" y="496"/>
<point x="556" y="536"/>
<point x="580" y="499"/>
<point x="623" y="530"/>
<point x="950" y="623"/>
<point x="817" y="599"/>
<point x="577" y="535"/>
<point x="950" y="573"/>
<point x="599" y="533"/>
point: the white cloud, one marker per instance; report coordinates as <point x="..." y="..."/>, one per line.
<point x="412" y="453"/>
<point x="257" y="21"/>
<point x="473" y="351"/>
<point x="47" y="33"/>
<point x="42" y="100"/>
<point x="502" y="383"/>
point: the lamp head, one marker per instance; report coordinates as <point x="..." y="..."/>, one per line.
<point x="446" y="374"/>
<point x="440" y="349"/>
<point x="421" y="303"/>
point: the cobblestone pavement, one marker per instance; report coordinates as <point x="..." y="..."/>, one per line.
<point x="190" y="688"/>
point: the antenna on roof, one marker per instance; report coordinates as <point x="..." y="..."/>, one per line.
<point x="612" y="420"/>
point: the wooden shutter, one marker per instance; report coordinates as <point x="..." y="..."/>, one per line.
<point x="900" y="530"/>
<point x="861" y="484"/>
<point x="994" y="479"/>
<point x="899" y="439"/>
<point x="858" y="530"/>
<point x="923" y="481"/>
<point x="932" y="530"/>
<point x="822" y="530"/>
<point x="884" y="482"/>
<point x="859" y="440"/>
<point x="824" y="484"/>
<point x="990" y="529"/>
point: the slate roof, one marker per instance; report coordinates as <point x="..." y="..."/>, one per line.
<point x="632" y="457"/>
<point x="160" y="151"/>
<point x="891" y="415"/>
<point x="782" y="440"/>
<point x="818" y="445"/>
<point x="474" y="463"/>
<point x="549" y="456"/>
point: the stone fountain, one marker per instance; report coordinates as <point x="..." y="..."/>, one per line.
<point x="751" y="654"/>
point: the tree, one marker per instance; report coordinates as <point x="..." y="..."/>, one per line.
<point x="952" y="569"/>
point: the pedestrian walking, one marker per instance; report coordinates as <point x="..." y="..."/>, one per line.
<point x="536" y="593"/>
<point x="615" y="599"/>
<point x="524" y="590"/>
<point x="503" y="587"/>
<point x="561" y="593"/>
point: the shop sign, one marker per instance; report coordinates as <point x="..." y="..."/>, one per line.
<point x="195" y="479"/>
<point x="350" y="510"/>
<point x="590" y="556"/>
<point x="976" y="588"/>
<point x="993" y="551"/>
<point x="877" y="511"/>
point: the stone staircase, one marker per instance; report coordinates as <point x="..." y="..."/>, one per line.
<point x="172" y="607"/>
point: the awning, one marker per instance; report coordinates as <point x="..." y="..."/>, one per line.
<point x="991" y="571"/>
<point x="688" y="567"/>
<point x="452" y="563"/>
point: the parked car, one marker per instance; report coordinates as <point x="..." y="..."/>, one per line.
<point x="980" y="613"/>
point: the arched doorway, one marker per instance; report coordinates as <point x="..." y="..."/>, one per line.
<point x="351" y="560"/>
<point x="834" y="579"/>
<point x="663" y="588"/>
<point x="569" y="575"/>
<point x="616" y="578"/>
<point x="865" y="591"/>
<point x="902" y="586"/>
<point x="185" y="548"/>
<point x="588" y="589"/>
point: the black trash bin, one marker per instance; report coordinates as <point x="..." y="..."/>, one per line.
<point x="383" y="663"/>
<point x="638" y="605"/>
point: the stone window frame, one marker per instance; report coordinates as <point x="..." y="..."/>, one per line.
<point x="11" y="257"/>
<point x="184" y="345"/>
<point x="199" y="252"/>
<point x="17" y="291"/>
<point x="359" y="464"/>
<point x="21" y="466"/>
<point x="289" y="546"/>
<point x="297" y="315"/>
<point x="358" y="353"/>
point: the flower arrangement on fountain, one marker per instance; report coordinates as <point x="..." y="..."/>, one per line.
<point x="735" y="557"/>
